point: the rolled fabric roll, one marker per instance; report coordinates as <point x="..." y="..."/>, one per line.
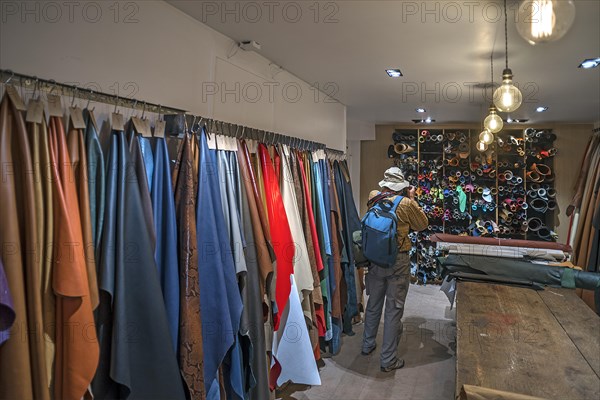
<point x="542" y="193"/>
<point x="551" y="204"/>
<point x="402" y="148"/>
<point x="541" y="169"/>
<point x="551" y="193"/>
<point x="534" y="224"/>
<point x="534" y="176"/>
<point x="544" y="233"/>
<point x="539" y="205"/>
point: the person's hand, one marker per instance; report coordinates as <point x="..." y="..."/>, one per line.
<point x="411" y="192"/>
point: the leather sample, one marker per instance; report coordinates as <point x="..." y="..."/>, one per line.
<point x="350" y="224"/>
<point x="165" y="227"/>
<point x="317" y="293"/>
<point x="228" y="185"/>
<point x="302" y="270"/>
<point x="137" y="358"/>
<point x="293" y="358"/>
<point x="444" y="237"/>
<point x="96" y="177"/>
<point x="22" y="374"/>
<point x="537" y="273"/>
<point x="236" y="369"/>
<point x="220" y="299"/>
<point x="191" y="354"/>
<point x="79" y="163"/>
<point x="76" y="351"/>
<point x="257" y="383"/>
<point x="265" y="262"/>
<point x="38" y="135"/>
<point x="280" y="230"/>
<point x="138" y="161"/>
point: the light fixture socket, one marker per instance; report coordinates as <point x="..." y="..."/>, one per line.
<point x="507" y="74"/>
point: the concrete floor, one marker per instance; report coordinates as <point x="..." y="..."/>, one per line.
<point x="427" y="346"/>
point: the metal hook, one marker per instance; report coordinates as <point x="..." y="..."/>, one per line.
<point x="36" y="88"/>
<point x="116" y="104"/>
<point x="192" y="129"/>
<point x="53" y="86"/>
<point x="73" y="93"/>
<point x="89" y="99"/>
<point x="135" y="105"/>
<point x="185" y="124"/>
<point x="159" y="109"/>
<point x="143" y="109"/>
<point x="12" y="74"/>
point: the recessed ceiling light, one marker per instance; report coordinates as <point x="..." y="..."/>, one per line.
<point x="590" y="63"/>
<point x="541" y="109"/>
<point x="509" y="120"/>
<point x="394" y="73"/>
<point x="420" y="110"/>
<point x="521" y="121"/>
<point x="423" y="121"/>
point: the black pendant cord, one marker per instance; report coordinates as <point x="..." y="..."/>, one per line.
<point x="505" y="34"/>
<point x="492" y="69"/>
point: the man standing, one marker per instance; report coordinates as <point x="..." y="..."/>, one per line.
<point x="391" y="284"/>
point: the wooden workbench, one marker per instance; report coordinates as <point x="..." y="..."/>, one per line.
<point x="538" y="343"/>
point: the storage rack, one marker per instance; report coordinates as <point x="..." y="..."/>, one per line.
<point x="435" y="167"/>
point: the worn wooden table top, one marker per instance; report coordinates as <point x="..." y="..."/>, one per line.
<point x="537" y="343"/>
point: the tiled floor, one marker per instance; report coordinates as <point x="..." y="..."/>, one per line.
<point x="427" y="346"/>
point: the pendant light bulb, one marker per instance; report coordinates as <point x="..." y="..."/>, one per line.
<point x="480" y="146"/>
<point x="493" y="122"/>
<point x="486" y="137"/>
<point x="543" y="21"/>
<point x="507" y="97"/>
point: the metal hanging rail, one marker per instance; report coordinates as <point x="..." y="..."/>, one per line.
<point x="189" y="122"/>
<point x="51" y="86"/>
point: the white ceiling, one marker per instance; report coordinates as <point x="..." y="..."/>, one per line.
<point x="439" y="59"/>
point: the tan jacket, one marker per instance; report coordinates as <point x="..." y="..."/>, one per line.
<point x="410" y="216"/>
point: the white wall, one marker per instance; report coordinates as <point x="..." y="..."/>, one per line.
<point x="152" y="51"/>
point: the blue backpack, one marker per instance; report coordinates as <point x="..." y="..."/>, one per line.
<point x="379" y="232"/>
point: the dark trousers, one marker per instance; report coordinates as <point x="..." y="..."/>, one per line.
<point x="389" y="285"/>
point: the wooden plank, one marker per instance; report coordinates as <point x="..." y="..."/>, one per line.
<point x="508" y="339"/>
<point x="578" y="320"/>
